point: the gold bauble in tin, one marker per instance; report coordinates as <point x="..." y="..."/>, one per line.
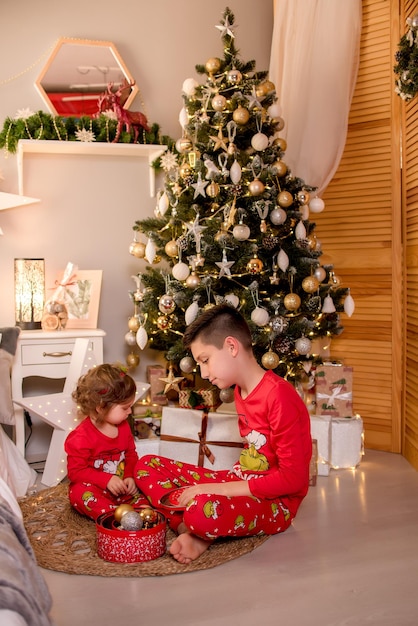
<point x="121" y="510"/>
<point x="292" y="301"/>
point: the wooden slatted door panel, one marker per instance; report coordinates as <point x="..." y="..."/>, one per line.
<point x="410" y="212"/>
<point x="360" y="231"/>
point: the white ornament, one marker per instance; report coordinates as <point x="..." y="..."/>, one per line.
<point x="189" y="86"/>
<point x="232" y="299"/>
<point x="349" y="305"/>
<point x="328" y="305"/>
<point x="303" y="345"/>
<point x="260" y="316"/>
<point x="304" y="210"/>
<point x="283" y="260"/>
<point x="320" y="274"/>
<point x="191" y="313"/>
<point x="316" y="205"/>
<point x="300" y="231"/>
<point x="180" y="271"/>
<point x="183" y="118"/>
<point x="241" y="232"/>
<point x="235" y="172"/>
<point x="274" y="110"/>
<point x="163" y="203"/>
<point x="130" y="338"/>
<point x="187" y="364"/>
<point x="141" y="337"/>
<point x="150" y="251"/>
<point x="260" y="141"/>
<point x="278" y="216"/>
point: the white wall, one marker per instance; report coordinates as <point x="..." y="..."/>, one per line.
<point x="88" y="205"/>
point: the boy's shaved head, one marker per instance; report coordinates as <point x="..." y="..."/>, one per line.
<point x="215" y="324"/>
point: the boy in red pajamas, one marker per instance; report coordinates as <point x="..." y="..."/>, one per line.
<point x="264" y="489"/>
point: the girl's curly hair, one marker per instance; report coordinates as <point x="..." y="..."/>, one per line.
<point x="103" y="386"/>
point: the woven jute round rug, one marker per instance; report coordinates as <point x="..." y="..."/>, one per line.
<point x="65" y="541"/>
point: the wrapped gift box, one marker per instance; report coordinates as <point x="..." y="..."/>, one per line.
<point x="209" y="440"/>
<point x="147" y="446"/>
<point x="347" y="442"/>
<point x="321" y="431"/>
<point x="334" y="390"/>
<point x="191" y="398"/>
<point x="157" y="386"/>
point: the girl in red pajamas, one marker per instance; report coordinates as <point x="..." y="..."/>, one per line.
<point x="101" y="453"/>
<point x="264" y="489"/>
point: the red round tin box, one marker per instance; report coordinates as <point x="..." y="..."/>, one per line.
<point x="129" y="546"/>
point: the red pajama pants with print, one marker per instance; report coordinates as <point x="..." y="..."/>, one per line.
<point x="208" y="515"/>
<point x="91" y="500"/>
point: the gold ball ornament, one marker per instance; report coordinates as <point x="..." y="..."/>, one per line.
<point x="303" y="196"/>
<point x="184" y="144"/>
<point x="163" y="323"/>
<point x="255" y="265"/>
<point x="193" y="281"/>
<point x="241" y="116"/>
<point x="171" y="248"/>
<point x="280" y="143"/>
<point x="310" y="284"/>
<point x="166" y="304"/>
<point x="121" y="510"/>
<point x="138" y="250"/>
<point x="219" y="102"/>
<point x="149" y="516"/>
<point x="212" y="190"/>
<point x="213" y="65"/>
<point x="132" y="360"/>
<point x="280" y="167"/>
<point x="234" y="77"/>
<point x="185" y="170"/>
<point x="278" y="124"/>
<point x="270" y="360"/>
<point x="285" y="199"/>
<point x="133" y="323"/>
<point x="268" y="87"/>
<point x="292" y="301"/>
<point x="256" y="187"/>
<point x="222" y="237"/>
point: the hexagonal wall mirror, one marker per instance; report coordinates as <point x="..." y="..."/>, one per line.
<point x="78" y="72"/>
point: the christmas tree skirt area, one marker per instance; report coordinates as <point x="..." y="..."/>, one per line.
<point x="65" y="541"/>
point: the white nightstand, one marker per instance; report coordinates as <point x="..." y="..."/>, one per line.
<point x="46" y="355"/>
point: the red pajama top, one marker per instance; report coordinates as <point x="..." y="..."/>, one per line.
<point x="93" y="457"/>
<point x="275" y="423"/>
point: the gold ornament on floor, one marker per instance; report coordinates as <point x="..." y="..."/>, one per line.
<point x="270" y="360"/>
<point x="292" y="301"/>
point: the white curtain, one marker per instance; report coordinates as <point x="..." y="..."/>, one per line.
<point x="314" y="63"/>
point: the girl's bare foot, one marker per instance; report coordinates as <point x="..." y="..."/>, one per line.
<point x="187" y="547"/>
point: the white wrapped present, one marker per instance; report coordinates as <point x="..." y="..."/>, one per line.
<point x="205" y="439"/>
<point x="347" y="442"/>
<point x="321" y="431"/>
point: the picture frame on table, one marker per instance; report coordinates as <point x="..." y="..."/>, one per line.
<point x="82" y="299"/>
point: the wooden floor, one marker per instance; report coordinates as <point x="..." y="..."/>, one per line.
<point x="350" y="559"/>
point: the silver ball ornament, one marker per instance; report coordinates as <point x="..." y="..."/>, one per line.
<point x="131" y="521"/>
<point x="187" y="364"/>
<point x="278" y="216"/>
<point x="166" y="304"/>
<point x="226" y="395"/>
<point x="303" y="345"/>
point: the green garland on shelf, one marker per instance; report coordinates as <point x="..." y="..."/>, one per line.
<point x="41" y="125"/>
<point x="406" y="68"/>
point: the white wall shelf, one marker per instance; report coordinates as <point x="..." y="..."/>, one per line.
<point x="135" y="150"/>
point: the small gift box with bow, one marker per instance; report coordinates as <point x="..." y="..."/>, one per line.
<point x="205" y="439"/>
<point x="191" y="398"/>
<point x="334" y="390"/>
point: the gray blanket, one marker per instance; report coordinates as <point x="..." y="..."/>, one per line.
<point x="22" y="586"/>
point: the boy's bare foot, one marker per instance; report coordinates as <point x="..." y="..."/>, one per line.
<point x="187" y="547"/>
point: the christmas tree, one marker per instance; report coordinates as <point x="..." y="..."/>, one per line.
<point x="232" y="225"/>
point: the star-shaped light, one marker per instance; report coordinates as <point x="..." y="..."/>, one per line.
<point x="219" y="141"/>
<point x="226" y="28"/>
<point x="194" y="228"/>
<point x="199" y="187"/>
<point x="224" y="265"/>
<point x="171" y="381"/>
